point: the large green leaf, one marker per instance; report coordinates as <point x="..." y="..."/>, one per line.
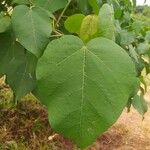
<point x="32" y="27"/>
<point x="18" y="65"/>
<point x="85" y="87"/>
<point x="106" y="22"/>
<point x="51" y="5"/>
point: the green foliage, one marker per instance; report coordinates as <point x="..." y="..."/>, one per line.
<point x="143" y="48"/>
<point x="84" y="80"/>
<point x="126" y="38"/>
<point x="147" y="36"/>
<point x="142" y="13"/>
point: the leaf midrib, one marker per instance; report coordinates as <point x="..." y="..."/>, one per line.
<point x="82" y="89"/>
<point x="33" y="29"/>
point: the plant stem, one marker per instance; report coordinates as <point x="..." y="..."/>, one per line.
<point x="62" y="13"/>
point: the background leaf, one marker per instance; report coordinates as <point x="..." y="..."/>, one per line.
<point x="95" y="6"/>
<point x="139" y="104"/>
<point x="4" y="23"/>
<point x="32" y="27"/>
<point x="126" y="38"/>
<point x="51" y="5"/>
<point x="106" y="22"/>
<point x="18" y="65"/>
<point x="21" y="2"/>
<point x="142" y="48"/>
<point x="84" y="6"/>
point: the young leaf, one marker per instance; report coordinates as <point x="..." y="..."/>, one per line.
<point x="89" y="28"/>
<point x="73" y="23"/>
<point x="32" y="27"/>
<point x="106" y="22"/>
<point x="85" y="87"/>
<point x="18" y="66"/>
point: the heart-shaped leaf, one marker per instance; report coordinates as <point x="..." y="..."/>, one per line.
<point x="85" y="87"/>
<point x="32" y="27"/>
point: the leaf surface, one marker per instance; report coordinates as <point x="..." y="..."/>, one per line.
<point x="85" y="87"/>
<point x="94" y="5"/>
<point x="4" y="23"/>
<point x="18" y="65"/>
<point x="51" y="5"/>
<point x="89" y="28"/>
<point x="73" y="23"/>
<point x="21" y="2"/>
<point x="106" y="22"/>
<point x="139" y="104"/>
<point x="84" y="6"/>
<point x="32" y="27"/>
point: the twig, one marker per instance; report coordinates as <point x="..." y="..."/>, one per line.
<point x="62" y="13"/>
